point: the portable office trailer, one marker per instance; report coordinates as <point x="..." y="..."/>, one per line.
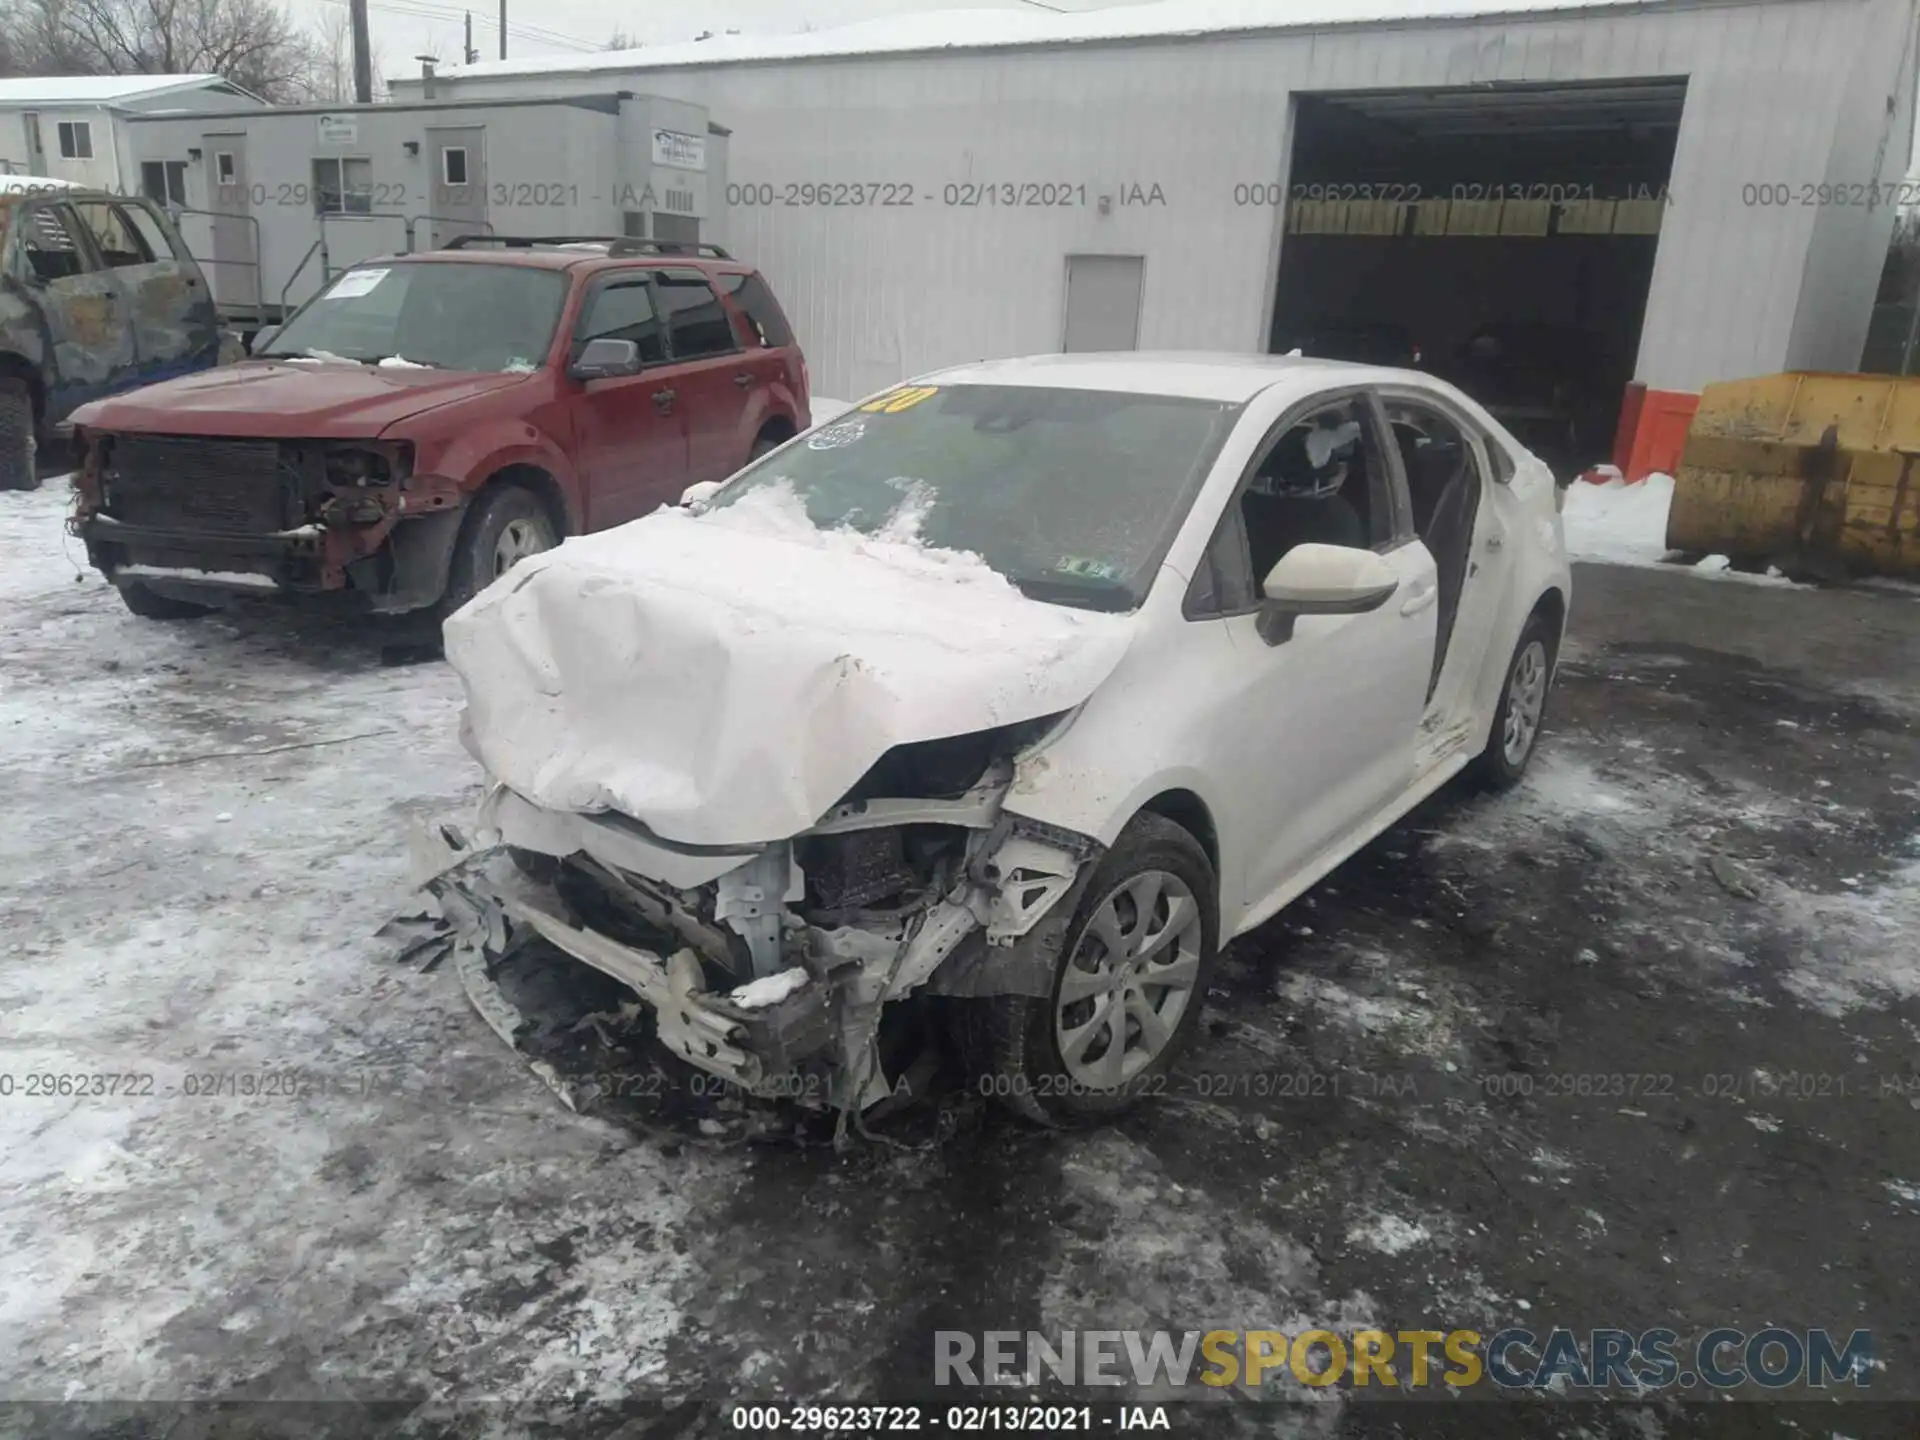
<point x="277" y="202"/>
<point x="1663" y="193"/>
<point x="73" y="127"/>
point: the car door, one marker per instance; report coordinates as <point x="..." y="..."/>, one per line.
<point x="80" y="306"/>
<point x="1318" y="730"/>
<point x="630" y="441"/>
<point x="713" y="376"/>
<point x="166" y="301"/>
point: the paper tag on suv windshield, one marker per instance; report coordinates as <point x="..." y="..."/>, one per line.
<point x="355" y="282"/>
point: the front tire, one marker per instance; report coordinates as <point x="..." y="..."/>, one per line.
<point x="1523" y="703"/>
<point x="17" y="444"/>
<point x="151" y="606"/>
<point x="1126" y="993"/>
<point x="504" y="527"/>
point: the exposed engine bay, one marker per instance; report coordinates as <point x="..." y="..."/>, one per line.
<point x="770" y="966"/>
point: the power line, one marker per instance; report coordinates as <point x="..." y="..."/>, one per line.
<point x="422" y="10"/>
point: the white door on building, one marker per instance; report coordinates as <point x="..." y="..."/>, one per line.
<point x="1103" y="303"/>
<point x="459" y="195"/>
<point x="235" y="271"/>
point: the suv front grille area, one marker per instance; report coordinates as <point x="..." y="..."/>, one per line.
<point x="233" y="487"/>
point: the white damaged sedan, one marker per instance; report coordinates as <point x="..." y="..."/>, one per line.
<point x="1022" y="687"/>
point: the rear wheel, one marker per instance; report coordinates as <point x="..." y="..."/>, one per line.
<point x="151" y="606"/>
<point x="1523" y="703"/>
<point x="504" y="527"/>
<point x="1126" y="993"/>
<point x="766" y="445"/>
<point x="17" y="445"/>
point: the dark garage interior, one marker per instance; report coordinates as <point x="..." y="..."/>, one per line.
<point x="1501" y="237"/>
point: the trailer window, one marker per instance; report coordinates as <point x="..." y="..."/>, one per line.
<point x="164" y="181"/>
<point x="343" y="187"/>
<point x="453" y="164"/>
<point x="76" y="139"/>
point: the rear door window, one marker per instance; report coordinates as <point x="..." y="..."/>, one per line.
<point x="697" y="323"/>
<point x="765" y="319"/>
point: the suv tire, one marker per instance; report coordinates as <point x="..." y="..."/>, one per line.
<point x="151" y="606"/>
<point x="17" y="445"/>
<point x="1013" y="1044"/>
<point x="505" y="525"/>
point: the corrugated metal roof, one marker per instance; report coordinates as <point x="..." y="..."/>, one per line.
<point x="979" y="29"/>
<point x="95" y="89"/>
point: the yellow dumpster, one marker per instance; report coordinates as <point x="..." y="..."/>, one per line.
<point x="1814" y="473"/>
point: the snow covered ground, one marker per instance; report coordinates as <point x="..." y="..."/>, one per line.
<point x="825" y="409"/>
<point x="243" y="1150"/>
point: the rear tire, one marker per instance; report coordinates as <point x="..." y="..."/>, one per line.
<point x="1151" y="910"/>
<point x="150" y="606"/>
<point x="766" y="445"/>
<point x="504" y="526"/>
<point x="17" y="443"/>
<point x="1523" y="705"/>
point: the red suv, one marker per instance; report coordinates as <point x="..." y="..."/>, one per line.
<point x="427" y="420"/>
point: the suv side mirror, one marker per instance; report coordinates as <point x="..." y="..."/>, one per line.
<point x="1313" y="579"/>
<point x="603" y="359"/>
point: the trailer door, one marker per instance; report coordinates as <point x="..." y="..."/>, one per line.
<point x="458" y="198"/>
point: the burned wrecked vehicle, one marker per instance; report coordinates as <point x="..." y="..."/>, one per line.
<point x="1009" y="693"/>
<point x="98" y="294"/>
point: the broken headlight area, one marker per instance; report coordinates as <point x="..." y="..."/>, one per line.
<point x="771" y="967"/>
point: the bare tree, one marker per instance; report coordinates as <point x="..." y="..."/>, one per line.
<point x="329" y="79"/>
<point x="253" y="43"/>
<point x="622" y="40"/>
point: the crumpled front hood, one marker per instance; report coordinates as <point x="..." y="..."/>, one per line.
<point x="726" y="678"/>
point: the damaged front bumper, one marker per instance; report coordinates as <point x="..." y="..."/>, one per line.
<point x="768" y="966"/>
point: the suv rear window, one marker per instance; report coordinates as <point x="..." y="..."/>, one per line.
<point x="763" y="312"/>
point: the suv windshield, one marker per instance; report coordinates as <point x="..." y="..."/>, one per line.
<point x="1073" y="495"/>
<point x="455" y="316"/>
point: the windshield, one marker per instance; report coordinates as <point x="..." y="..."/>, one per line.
<point x="458" y="317"/>
<point x="1073" y="495"/>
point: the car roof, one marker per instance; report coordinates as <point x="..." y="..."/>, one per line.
<point x="568" y="257"/>
<point x="1194" y="374"/>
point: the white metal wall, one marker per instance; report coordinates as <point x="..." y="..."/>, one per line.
<point x="1779" y="90"/>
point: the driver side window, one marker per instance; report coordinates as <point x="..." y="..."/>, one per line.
<point x="1321" y="477"/>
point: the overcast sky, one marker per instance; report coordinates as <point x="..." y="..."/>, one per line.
<point x="403" y="29"/>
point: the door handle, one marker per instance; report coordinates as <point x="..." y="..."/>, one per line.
<point x="743" y="380"/>
<point x="663" y="398"/>
<point x="1420" y="602"/>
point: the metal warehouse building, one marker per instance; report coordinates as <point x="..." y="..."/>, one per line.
<point x="1616" y="202"/>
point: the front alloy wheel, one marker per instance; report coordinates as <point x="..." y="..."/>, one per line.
<point x="1129" y="980"/>
<point x="1523" y="701"/>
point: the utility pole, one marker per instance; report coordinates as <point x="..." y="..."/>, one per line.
<point x="503" y="29"/>
<point x="362" y="53"/>
<point x="471" y="54"/>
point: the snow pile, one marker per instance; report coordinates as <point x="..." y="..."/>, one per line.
<point x="41" y="557"/>
<point x="769" y="989"/>
<point x="1388" y="1234"/>
<point x="1618" y="523"/>
<point x="825" y="409"/>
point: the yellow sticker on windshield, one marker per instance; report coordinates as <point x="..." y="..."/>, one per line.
<point x="894" y="401"/>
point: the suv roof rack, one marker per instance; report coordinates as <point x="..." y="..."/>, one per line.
<point x="616" y="244"/>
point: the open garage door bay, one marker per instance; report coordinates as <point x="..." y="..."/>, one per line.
<point x="1500" y="236"/>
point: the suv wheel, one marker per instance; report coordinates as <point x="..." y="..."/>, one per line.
<point x="151" y="606"/>
<point x="16" y="437"/>
<point x="1126" y="992"/>
<point x="503" y="528"/>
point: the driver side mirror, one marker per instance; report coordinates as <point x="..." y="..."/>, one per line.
<point x="604" y="359"/>
<point x="262" y="338"/>
<point x="1314" y="579"/>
